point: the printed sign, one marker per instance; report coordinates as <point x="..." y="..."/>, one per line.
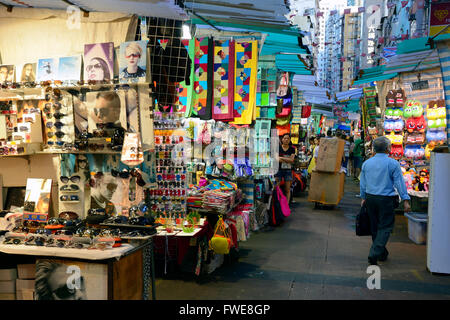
<point x="439" y="18"/>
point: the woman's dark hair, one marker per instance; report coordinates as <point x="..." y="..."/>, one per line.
<point x="285" y="134"/>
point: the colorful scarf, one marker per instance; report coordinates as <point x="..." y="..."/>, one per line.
<point x="184" y="92"/>
<point x="246" y="54"/>
<point x="203" y="78"/>
<point x="223" y="100"/>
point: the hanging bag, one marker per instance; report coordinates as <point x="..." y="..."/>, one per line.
<point x="205" y="136"/>
<point x="132" y="154"/>
<point x="221" y="241"/>
<point x="283" y="202"/>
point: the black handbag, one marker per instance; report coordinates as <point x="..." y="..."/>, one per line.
<point x="363" y="222"/>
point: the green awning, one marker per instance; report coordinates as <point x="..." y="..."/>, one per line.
<point x="412" y="45"/>
<point x="374" y="74"/>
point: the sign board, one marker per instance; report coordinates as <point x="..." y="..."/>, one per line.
<point x="439" y="18"/>
<point x="420" y="85"/>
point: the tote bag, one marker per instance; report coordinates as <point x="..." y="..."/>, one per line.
<point x="283" y="202"/>
<point x="363" y="222"/>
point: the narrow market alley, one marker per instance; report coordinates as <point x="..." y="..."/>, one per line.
<point x="315" y="254"/>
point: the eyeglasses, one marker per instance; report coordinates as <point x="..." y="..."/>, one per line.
<point x="59" y="115"/>
<point x="125" y="174"/>
<point x="72" y="187"/>
<point x="134" y="55"/>
<point x="69" y="198"/>
<point x="74" y="179"/>
<point x="93" y="66"/>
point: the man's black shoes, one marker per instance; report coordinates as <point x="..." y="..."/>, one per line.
<point x="372" y="261"/>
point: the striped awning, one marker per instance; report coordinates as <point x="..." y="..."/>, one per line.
<point x="414" y="61"/>
<point x="444" y="56"/>
<point x="374" y="74"/>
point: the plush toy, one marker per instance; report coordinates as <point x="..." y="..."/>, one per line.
<point x="410" y="152"/>
<point x="397" y="113"/>
<point x="388" y="125"/>
<point x="398" y="125"/>
<point x="389" y="113"/>
<point x="419" y="153"/>
<point x="396" y="151"/>
<point x="428" y="150"/>
<point x="407" y="110"/>
<point x="400" y="98"/>
<point x="441" y="113"/>
<point x="390" y="98"/>
<point x="410" y="125"/>
<point x="421" y="124"/>
<point x="408" y="179"/>
<point x="415" y="138"/>
<point x="417" y="109"/>
<point x="441" y="123"/>
<point x="431" y="113"/>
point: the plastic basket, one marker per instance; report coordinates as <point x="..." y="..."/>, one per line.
<point x="417" y="227"/>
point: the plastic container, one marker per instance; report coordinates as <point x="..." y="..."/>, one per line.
<point x="417" y="227"/>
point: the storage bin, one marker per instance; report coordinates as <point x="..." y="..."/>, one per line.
<point x="417" y="227"/>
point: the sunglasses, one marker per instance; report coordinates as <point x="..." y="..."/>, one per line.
<point x="81" y="145"/>
<point x="69" y="198"/>
<point x="59" y="143"/>
<point x="101" y="211"/>
<point x="93" y="66"/>
<point x="74" y="179"/>
<point x="134" y="55"/>
<point x="31" y="110"/>
<point x="72" y="187"/>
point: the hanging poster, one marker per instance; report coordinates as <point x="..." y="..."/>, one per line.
<point x="69" y="68"/>
<point x="47" y="69"/>
<point x="7" y="73"/>
<point x="26" y="73"/>
<point x="133" y="61"/>
<point x="99" y="61"/>
<point x="246" y="54"/>
<point x="223" y="80"/>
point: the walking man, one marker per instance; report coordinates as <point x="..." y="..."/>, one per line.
<point x="379" y="176"/>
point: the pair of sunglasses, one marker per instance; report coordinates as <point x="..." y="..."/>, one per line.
<point x="57" y="116"/>
<point x="74" y="179"/>
<point x="57" y="124"/>
<point x="71" y="187"/>
<point x="58" y="134"/>
<point x="69" y="198"/>
<point x="59" y="143"/>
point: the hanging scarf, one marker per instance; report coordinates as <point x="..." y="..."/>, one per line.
<point x="246" y="54"/>
<point x="223" y="92"/>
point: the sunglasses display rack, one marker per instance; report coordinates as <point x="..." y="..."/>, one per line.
<point x="71" y="193"/>
<point x="168" y="199"/>
<point x="58" y="121"/>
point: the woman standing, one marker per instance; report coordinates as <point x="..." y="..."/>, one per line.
<point x="286" y="156"/>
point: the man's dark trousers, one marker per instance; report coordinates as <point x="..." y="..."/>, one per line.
<point x="382" y="217"/>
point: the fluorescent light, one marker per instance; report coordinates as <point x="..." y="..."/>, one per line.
<point x="186" y="32"/>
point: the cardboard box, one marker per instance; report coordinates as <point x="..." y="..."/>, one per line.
<point x="8" y="286"/>
<point x="8" y="274"/>
<point x="331" y="151"/>
<point x="25" y="294"/>
<point x="7" y="296"/>
<point x="22" y="284"/>
<point x="326" y="188"/>
<point x="26" y="271"/>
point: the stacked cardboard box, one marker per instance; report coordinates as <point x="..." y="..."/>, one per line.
<point x="8" y="284"/>
<point x="25" y="282"/>
<point x="327" y="182"/>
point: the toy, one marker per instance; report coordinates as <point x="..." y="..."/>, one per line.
<point x="407" y="110"/>
<point x="400" y="98"/>
<point x="441" y="123"/>
<point x="428" y="150"/>
<point x="410" y="152"/>
<point x="388" y="125"/>
<point x="419" y="153"/>
<point x="390" y="98"/>
<point x="389" y="113"/>
<point x="396" y="151"/>
<point x="398" y="125"/>
<point x="440" y="113"/>
<point x="420" y="124"/>
<point x="396" y="139"/>
<point x="421" y="182"/>
<point x="415" y="138"/>
<point x="431" y="113"/>
<point x="417" y="109"/>
<point x="397" y="113"/>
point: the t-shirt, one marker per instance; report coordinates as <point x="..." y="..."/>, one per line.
<point x="287" y="154"/>
<point x="357" y="150"/>
<point x="316" y="152"/>
<point x="347" y="149"/>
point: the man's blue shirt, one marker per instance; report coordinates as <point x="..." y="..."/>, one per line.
<point x="380" y="175"/>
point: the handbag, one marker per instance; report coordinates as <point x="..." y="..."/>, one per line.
<point x="221" y="241"/>
<point x="363" y="222"/>
<point x="283" y="202"/>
